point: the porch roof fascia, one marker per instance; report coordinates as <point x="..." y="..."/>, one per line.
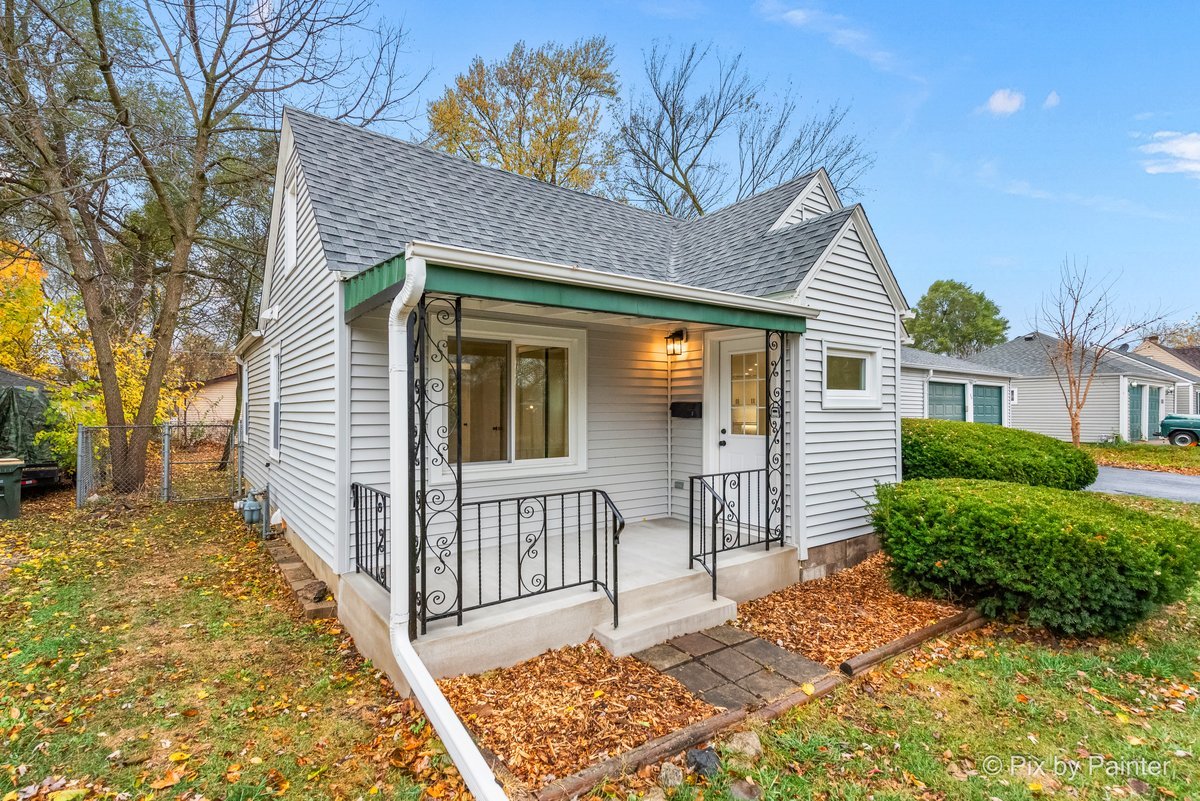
<point x="473" y="273"/>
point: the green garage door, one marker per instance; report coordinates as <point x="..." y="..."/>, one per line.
<point x="989" y="405"/>
<point x="1135" y="413"/>
<point x="947" y="401"/>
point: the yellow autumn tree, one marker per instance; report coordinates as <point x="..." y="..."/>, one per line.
<point x="24" y="342"/>
<point x="537" y="112"/>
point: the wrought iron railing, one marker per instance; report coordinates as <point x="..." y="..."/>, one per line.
<point x="730" y="511"/>
<point x="513" y="548"/>
<point x="371" y="514"/>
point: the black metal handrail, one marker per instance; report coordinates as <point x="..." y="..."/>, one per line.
<point x="520" y="548"/>
<point x="727" y="511"/>
<point x="371" y="513"/>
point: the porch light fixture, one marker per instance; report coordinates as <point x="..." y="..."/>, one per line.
<point x="677" y="342"/>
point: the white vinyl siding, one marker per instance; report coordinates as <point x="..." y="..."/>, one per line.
<point x="304" y="480"/>
<point x="1040" y="407"/>
<point x="912" y="392"/>
<point x="847" y="450"/>
<point x="687" y="435"/>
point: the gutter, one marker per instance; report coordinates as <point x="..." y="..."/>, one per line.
<point x="484" y="261"/>
<point x="244" y="344"/>
<point x="462" y="749"/>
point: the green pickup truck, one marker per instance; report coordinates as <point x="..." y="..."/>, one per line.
<point x="1181" y="429"/>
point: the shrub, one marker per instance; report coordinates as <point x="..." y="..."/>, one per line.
<point x="950" y="449"/>
<point x="1076" y="563"/>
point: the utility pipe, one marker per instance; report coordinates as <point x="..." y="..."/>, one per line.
<point x="462" y="749"/>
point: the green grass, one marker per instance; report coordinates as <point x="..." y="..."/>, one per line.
<point x="160" y="645"/>
<point x="1168" y="458"/>
<point x="955" y="719"/>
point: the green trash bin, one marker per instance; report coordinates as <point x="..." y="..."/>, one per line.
<point x="10" y="488"/>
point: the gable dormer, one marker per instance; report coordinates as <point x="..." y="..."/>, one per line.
<point x="818" y="197"/>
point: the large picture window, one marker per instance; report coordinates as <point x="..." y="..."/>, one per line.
<point x="521" y="390"/>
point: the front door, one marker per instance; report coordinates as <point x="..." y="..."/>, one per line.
<point x="988" y="404"/>
<point x="742" y="438"/>
<point x="947" y="401"/>
<point x="1135" y="413"/>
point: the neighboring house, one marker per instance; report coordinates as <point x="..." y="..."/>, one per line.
<point x="1127" y="399"/>
<point x="214" y="402"/>
<point x="601" y="407"/>
<point x="1184" y="361"/>
<point x="946" y="388"/>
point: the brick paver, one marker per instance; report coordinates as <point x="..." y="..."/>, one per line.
<point x="730" y="668"/>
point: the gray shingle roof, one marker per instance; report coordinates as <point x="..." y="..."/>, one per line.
<point x="915" y="357"/>
<point x="1027" y="356"/>
<point x="372" y="194"/>
<point x="1189" y="354"/>
<point x="1182" y="375"/>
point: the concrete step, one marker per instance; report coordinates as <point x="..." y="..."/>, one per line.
<point x="650" y="627"/>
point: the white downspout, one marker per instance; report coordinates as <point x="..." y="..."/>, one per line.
<point x="470" y="763"/>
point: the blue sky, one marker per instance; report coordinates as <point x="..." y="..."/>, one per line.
<point x="1008" y="136"/>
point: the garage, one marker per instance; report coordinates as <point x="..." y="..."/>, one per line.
<point x="947" y="401"/>
<point x="988" y="404"/>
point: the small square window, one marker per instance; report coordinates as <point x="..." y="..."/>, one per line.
<point x="846" y="372"/>
<point x="852" y="378"/>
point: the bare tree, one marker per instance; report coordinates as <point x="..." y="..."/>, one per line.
<point x="1084" y="325"/>
<point x="172" y="98"/>
<point x="674" y="136"/>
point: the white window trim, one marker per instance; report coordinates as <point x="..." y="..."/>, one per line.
<point x="289" y="225"/>
<point x="575" y="341"/>
<point x="275" y="426"/>
<point x="869" y="398"/>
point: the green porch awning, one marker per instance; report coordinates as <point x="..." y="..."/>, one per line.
<point x="378" y="285"/>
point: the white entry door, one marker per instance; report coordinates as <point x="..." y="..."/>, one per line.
<point x="742" y="433"/>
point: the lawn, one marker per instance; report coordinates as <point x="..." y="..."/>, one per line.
<point x="1168" y="458"/>
<point x="155" y="650"/>
<point x="1004" y="713"/>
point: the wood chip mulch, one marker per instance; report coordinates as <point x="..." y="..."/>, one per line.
<point x="558" y="713"/>
<point x="849" y="613"/>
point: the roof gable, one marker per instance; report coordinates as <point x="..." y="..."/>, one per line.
<point x="817" y="198"/>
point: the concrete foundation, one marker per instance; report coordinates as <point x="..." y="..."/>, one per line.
<point x="364" y="608"/>
<point x="825" y="560"/>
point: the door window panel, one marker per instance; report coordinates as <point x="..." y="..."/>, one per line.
<point x="747" y="393"/>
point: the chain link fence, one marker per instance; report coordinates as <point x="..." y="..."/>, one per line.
<point x="168" y="462"/>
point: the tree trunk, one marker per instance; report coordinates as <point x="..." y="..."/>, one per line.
<point x="1075" y="427"/>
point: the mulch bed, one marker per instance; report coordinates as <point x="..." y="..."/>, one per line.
<point x="849" y="613"/>
<point x="557" y="713"/>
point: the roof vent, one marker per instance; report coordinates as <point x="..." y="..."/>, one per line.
<point x="1029" y="337"/>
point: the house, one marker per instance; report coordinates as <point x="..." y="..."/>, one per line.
<point x="214" y="402"/>
<point x="613" y="423"/>
<point x="1183" y="361"/>
<point x="1127" y="399"/>
<point x="943" y="387"/>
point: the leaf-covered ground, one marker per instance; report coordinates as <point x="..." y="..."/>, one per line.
<point x="155" y="651"/>
<point x="1165" y="458"/>
<point x="1002" y="713"/>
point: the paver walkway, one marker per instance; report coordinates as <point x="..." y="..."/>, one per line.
<point x="730" y="668"/>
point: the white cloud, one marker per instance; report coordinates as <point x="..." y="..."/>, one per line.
<point x="1004" y="102"/>
<point x="1052" y="100"/>
<point x="1109" y="204"/>
<point x="840" y="31"/>
<point x="1173" y="152"/>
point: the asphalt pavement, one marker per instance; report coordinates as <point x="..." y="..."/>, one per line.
<point x="1151" y="483"/>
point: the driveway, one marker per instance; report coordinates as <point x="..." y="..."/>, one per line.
<point x="1151" y="483"/>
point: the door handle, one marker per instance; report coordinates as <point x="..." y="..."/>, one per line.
<point x="722" y="443"/>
